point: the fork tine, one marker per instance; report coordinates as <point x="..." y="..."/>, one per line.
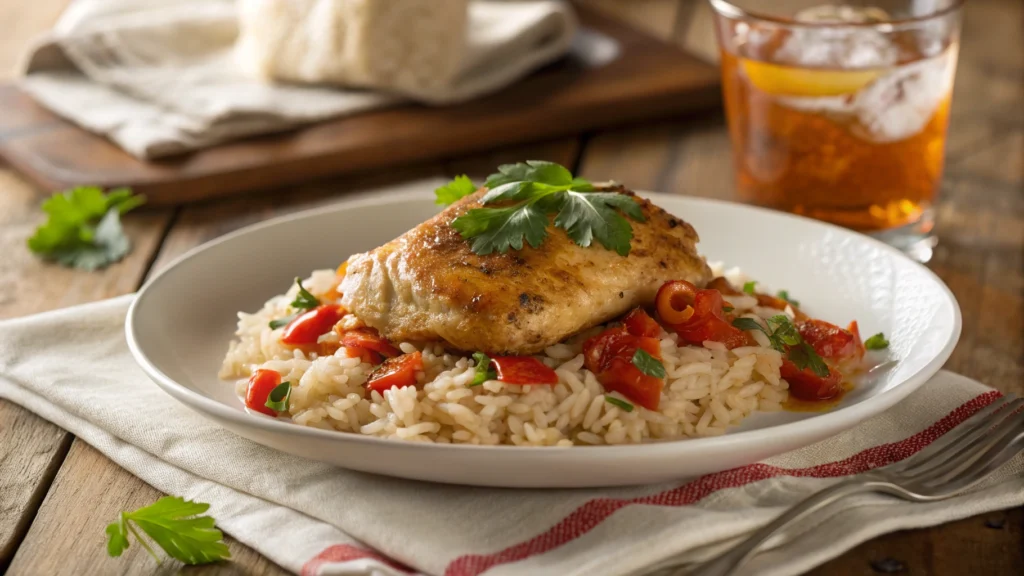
<point x="979" y="421"/>
<point x="968" y="445"/>
<point x="983" y="467"/>
<point x="990" y="445"/>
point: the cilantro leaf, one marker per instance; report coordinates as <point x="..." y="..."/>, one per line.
<point x="279" y="322"/>
<point x="498" y="229"/>
<point x="589" y="216"/>
<point x="174" y="524"/>
<point x="279" y="397"/>
<point x="620" y="403"/>
<point x="748" y="287"/>
<point x="648" y="364"/>
<point x="784" y="331"/>
<point x="750" y="324"/>
<point x="452" y="191"/>
<point x="531" y="171"/>
<point x="804" y="356"/>
<point x="785" y="296"/>
<point x="785" y="337"/>
<point x="83" y="229"/>
<point x="876" y="342"/>
<point x="484" y="372"/>
<point x="304" y="300"/>
<point x="539" y="190"/>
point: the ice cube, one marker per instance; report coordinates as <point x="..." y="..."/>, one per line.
<point x="838" y="47"/>
<point x="899" y="104"/>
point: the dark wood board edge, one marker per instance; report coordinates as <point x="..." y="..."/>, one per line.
<point x="660" y="81"/>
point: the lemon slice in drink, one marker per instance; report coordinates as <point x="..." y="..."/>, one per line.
<point x="789" y="81"/>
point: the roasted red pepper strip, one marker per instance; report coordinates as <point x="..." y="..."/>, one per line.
<point x="310" y="325"/>
<point x="705" y="321"/>
<point x="609" y="355"/>
<point x="369" y="339"/>
<point x="523" y="370"/>
<point x="261" y="383"/>
<point x="396" y="372"/>
<point x="831" y="341"/>
<point x="806" y="385"/>
<point x="638" y="323"/>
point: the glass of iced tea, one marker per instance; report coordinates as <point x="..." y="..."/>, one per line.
<point x="838" y="111"/>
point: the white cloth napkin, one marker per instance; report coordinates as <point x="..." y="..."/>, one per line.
<point x="161" y="77"/>
<point x="73" y="368"/>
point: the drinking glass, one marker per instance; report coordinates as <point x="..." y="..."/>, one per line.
<point x="838" y="111"/>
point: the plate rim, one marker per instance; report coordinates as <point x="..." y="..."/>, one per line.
<point x="839" y="419"/>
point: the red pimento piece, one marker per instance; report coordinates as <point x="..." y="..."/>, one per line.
<point x="368" y="356"/>
<point x="523" y="370"/>
<point x="261" y="383"/>
<point x="369" y="339"/>
<point x="310" y="325"/>
<point x="704" y="317"/>
<point x="638" y="323"/>
<point x="396" y="372"/>
<point x="609" y="355"/>
<point x="806" y="385"/>
<point x="830" y="341"/>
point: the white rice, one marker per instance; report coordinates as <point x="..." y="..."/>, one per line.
<point x="708" y="389"/>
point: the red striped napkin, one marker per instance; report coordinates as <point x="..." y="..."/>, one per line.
<point x="73" y="368"/>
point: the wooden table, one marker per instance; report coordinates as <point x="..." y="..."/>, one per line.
<point x="57" y="493"/>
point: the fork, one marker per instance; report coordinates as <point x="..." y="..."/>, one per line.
<point x="955" y="462"/>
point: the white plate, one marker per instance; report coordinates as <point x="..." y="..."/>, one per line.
<point x="179" y="327"/>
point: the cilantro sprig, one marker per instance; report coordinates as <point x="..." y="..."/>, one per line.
<point x="83" y="229"/>
<point x="175" y="525"/>
<point x="876" y="342"/>
<point x="304" y="300"/>
<point x="648" y="364"/>
<point x="279" y="397"/>
<point x="484" y="372"/>
<point x="785" y="338"/>
<point x="784" y="294"/>
<point x="620" y="403"/>
<point x="521" y="199"/>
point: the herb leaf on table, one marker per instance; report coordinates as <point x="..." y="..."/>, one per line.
<point x="175" y="525"/>
<point x="83" y="229"/>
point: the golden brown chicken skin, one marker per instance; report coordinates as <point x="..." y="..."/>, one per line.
<point x="427" y="285"/>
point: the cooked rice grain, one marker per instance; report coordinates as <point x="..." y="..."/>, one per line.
<point x="708" y="389"/>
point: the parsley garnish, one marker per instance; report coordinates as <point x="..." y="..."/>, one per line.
<point x="785" y="338"/>
<point x="620" y="403"/>
<point x="175" y="525"/>
<point x="648" y="364"/>
<point x="279" y="397"/>
<point x="537" y="190"/>
<point x="304" y="300"/>
<point x="483" y="369"/>
<point x="876" y="342"/>
<point x="84" y="227"/>
<point x="748" y="287"/>
<point x="452" y="191"/>
<point x="279" y="322"/>
<point x="785" y="296"/>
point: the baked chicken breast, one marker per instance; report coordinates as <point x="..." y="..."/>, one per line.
<point x="428" y="285"/>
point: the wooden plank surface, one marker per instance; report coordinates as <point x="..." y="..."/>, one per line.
<point x="646" y="79"/>
<point x="981" y="257"/>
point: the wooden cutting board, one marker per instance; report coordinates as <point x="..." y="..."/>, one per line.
<point x="648" y="79"/>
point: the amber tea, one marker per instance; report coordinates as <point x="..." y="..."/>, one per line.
<point x="839" y="113"/>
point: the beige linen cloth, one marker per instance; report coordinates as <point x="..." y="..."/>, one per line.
<point x="73" y="368"/>
<point x="161" y="77"/>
